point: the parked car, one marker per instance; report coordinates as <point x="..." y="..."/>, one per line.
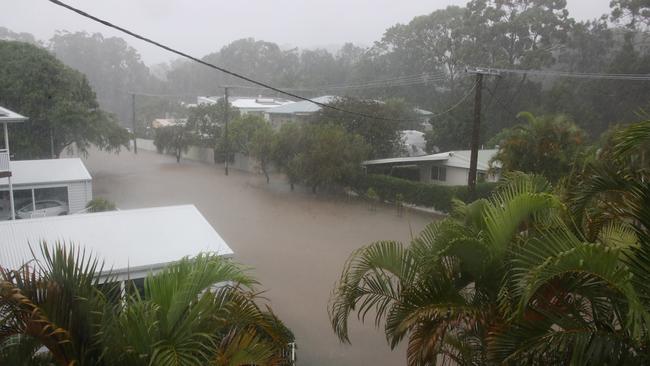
<point x="43" y="208"/>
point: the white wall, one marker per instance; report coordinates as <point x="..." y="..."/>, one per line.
<point x="206" y="155"/>
<point x="79" y="194"/>
<point x="455" y="176"/>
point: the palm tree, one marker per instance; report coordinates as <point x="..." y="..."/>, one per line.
<point x="521" y="278"/>
<point x="442" y="291"/>
<point x="197" y="311"/>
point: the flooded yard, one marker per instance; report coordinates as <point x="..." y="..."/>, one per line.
<point x="295" y="242"/>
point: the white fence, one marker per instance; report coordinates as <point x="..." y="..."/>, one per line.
<point x="206" y="155"/>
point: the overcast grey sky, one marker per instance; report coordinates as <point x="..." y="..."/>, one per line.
<point x="202" y="26"/>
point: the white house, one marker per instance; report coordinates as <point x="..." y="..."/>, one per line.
<point x="448" y="168"/>
<point x="38" y="183"/>
<point x="131" y="243"/>
<point x="248" y="105"/>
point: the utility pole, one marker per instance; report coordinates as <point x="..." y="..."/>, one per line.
<point x="476" y="128"/>
<point x="225" y="130"/>
<point x="135" y="142"/>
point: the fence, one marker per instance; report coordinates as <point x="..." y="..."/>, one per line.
<point x="206" y="155"/>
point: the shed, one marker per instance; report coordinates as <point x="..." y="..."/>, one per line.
<point x="63" y="180"/>
<point x="130" y="242"/>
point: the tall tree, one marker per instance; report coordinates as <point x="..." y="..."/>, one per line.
<point x="113" y="68"/>
<point x="382" y="134"/>
<point x="59" y="102"/>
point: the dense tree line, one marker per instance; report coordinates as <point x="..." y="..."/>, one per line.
<point x="538" y="34"/>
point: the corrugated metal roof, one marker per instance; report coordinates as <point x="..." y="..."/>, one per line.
<point x="248" y="103"/>
<point x="47" y="171"/>
<point x="302" y="106"/>
<point x="128" y="239"/>
<point x="10" y="116"/>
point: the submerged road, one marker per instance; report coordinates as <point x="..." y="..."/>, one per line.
<point x="295" y="242"/>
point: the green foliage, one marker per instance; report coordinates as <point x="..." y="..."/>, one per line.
<point x="100" y="205"/>
<point x="523" y="277"/>
<point x="63" y="303"/>
<point x="319" y="154"/>
<point x="383" y="136"/>
<point x="242" y="130"/>
<point x="174" y="140"/>
<point x="262" y="145"/>
<point x="60" y="104"/>
<point x="547" y="145"/>
<point x="422" y="194"/>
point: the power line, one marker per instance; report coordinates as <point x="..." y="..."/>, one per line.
<point x="469" y="92"/>
<point x="628" y="77"/>
<point x="394" y="82"/>
<point x="232" y="73"/>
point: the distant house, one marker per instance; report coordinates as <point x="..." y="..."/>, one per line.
<point x="247" y="105"/>
<point x="46" y="187"/>
<point x="448" y="168"/>
<point x="296" y="111"/>
<point x="130" y="242"/>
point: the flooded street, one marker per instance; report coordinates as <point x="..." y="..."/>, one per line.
<point x="295" y="242"/>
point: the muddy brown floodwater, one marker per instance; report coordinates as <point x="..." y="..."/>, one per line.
<point x="295" y="242"/>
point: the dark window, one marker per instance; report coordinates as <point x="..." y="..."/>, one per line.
<point x="439" y="173"/>
<point x="135" y="286"/>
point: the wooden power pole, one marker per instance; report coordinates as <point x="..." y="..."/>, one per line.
<point x="135" y="138"/>
<point x="225" y="130"/>
<point x="476" y="128"/>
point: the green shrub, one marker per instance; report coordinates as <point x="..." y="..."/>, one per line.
<point x="100" y="205"/>
<point x="421" y="194"/>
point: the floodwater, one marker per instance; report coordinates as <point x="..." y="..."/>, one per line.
<point x="295" y="242"/>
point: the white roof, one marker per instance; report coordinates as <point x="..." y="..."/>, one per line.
<point x="248" y="103"/>
<point x="125" y="240"/>
<point x="8" y="116"/>
<point x="303" y="106"/>
<point x="47" y="171"/>
<point x="458" y="158"/>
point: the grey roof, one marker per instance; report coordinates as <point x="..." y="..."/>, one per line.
<point x="9" y="116"/>
<point x="47" y="171"/>
<point x="128" y="240"/>
<point x="302" y="106"/>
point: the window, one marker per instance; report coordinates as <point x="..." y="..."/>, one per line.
<point x="439" y="173"/>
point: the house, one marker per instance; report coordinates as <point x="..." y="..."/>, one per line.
<point x="63" y="185"/>
<point x="448" y="168"/>
<point x="6" y="117"/>
<point x="247" y="105"/>
<point x="296" y="111"/>
<point x="130" y="242"/>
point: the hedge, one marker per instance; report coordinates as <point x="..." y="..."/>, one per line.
<point x="421" y="194"/>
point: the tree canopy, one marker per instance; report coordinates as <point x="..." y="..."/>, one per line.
<point x="59" y="102"/>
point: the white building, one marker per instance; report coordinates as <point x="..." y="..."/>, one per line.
<point x="131" y="243"/>
<point x="46" y="182"/>
<point x="247" y="105"/>
<point x="448" y="168"/>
